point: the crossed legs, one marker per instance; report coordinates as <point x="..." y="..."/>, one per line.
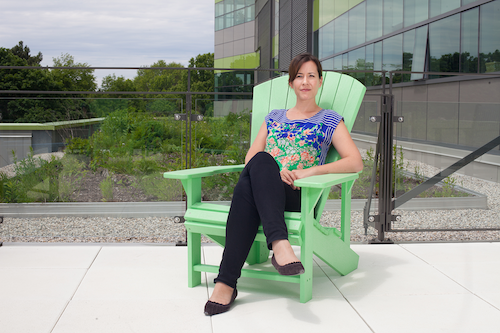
<point x="259" y="197"/>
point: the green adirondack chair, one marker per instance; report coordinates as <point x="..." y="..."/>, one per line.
<point x="339" y="92"/>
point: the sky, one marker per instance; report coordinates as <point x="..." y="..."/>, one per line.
<point x="110" y="33"/>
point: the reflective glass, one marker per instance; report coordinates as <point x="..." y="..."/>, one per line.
<point x="377" y="63"/>
<point x="239" y="17"/>
<point x="250" y="13"/>
<point x="327" y="64"/>
<point x="369" y="64"/>
<point x="249" y="2"/>
<point x="419" y="52"/>
<point x="341" y="33"/>
<point x="229" y="5"/>
<point x="415" y="11"/>
<point x="393" y="15"/>
<point x="219" y="23"/>
<point x="326" y="40"/>
<point x="337" y="63"/>
<point x="373" y="19"/>
<point x="345" y="59"/>
<point x="392" y="57"/>
<point x="356" y="61"/>
<point x="229" y="20"/>
<point x="408" y="45"/>
<point x="239" y="4"/>
<point x="489" y="38"/>
<point x="470" y="40"/>
<point x="357" y="25"/>
<point x="444" y="45"/>
<point x="219" y="8"/>
<point x="439" y="7"/>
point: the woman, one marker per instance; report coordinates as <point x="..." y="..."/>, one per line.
<point x="290" y="145"/>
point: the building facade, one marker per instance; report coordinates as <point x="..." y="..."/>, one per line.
<point x="420" y="36"/>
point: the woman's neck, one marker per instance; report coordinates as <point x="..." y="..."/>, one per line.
<point x="303" y="110"/>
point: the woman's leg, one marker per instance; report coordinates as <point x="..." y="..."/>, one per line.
<point x="259" y="196"/>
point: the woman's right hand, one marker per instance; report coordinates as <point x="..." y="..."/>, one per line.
<point x="288" y="177"/>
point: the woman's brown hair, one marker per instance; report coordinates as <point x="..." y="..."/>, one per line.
<point x="298" y="61"/>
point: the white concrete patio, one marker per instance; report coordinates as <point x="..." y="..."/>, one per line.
<point x="432" y="287"/>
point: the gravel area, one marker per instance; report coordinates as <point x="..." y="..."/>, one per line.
<point x="164" y="230"/>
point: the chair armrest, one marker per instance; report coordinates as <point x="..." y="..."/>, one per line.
<point x="325" y="181"/>
<point x="202" y="172"/>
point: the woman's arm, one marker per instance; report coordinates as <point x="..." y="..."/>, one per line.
<point x="350" y="160"/>
<point x="259" y="144"/>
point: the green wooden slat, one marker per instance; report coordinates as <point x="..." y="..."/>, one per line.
<point x="343" y="93"/>
<point x="260" y="106"/>
<point x="330" y="85"/>
<point x="353" y="103"/>
<point x="292" y="99"/>
<point x="279" y="94"/>
<point x="265" y="275"/>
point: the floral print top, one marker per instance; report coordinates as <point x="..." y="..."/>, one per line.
<point x="300" y="143"/>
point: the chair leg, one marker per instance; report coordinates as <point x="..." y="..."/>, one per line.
<point x="258" y="254"/>
<point x="194" y="258"/>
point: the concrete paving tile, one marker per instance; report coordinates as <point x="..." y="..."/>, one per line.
<point x="48" y="256"/>
<point x="427" y="313"/>
<point x="30" y="316"/>
<point x="39" y="283"/>
<point x="252" y="313"/>
<point x="122" y="316"/>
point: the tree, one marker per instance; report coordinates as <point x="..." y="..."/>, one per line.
<point x="203" y="81"/>
<point x="19" y="109"/>
<point x="23" y="52"/>
<point x="73" y="79"/>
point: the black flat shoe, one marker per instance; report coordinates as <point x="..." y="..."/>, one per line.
<point x="293" y="268"/>
<point x="213" y="308"/>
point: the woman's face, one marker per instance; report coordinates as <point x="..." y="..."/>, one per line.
<point x="307" y="81"/>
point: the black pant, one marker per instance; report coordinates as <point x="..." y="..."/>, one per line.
<point x="260" y="196"/>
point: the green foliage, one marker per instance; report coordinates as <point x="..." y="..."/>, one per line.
<point x="106" y="187"/>
<point x="71" y="177"/>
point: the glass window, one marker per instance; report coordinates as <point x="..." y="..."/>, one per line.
<point x="356" y="61"/>
<point x="341" y="33"/>
<point x="444" y="45"/>
<point x="228" y="20"/>
<point x="466" y="2"/>
<point x="219" y="23"/>
<point x="439" y="7"/>
<point x="239" y="17"/>
<point x="327" y="64"/>
<point x="470" y="40"/>
<point x="326" y="40"/>
<point x="337" y="63"/>
<point x="393" y="15"/>
<point x="392" y="56"/>
<point x="357" y="25"/>
<point x="219" y="8"/>
<point x="369" y="65"/>
<point x="415" y="11"/>
<point x="344" y="61"/>
<point x="239" y="4"/>
<point x="377" y="63"/>
<point x="489" y="38"/>
<point x="373" y="19"/>
<point x="408" y="45"/>
<point x="249" y="2"/>
<point x="419" y="52"/>
<point x="250" y="13"/>
<point x="229" y="5"/>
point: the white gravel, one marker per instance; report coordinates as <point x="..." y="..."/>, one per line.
<point x="164" y="230"/>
